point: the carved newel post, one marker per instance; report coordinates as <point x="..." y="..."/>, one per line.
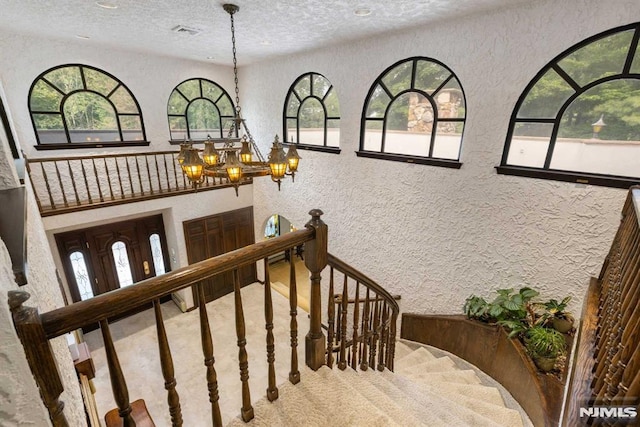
<point x="316" y="261"/>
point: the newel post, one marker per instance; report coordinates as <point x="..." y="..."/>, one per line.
<point x="39" y="355"/>
<point x="316" y="261"/>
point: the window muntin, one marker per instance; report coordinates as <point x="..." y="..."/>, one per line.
<point x="552" y="133"/>
<point x="197" y="109"/>
<point x="312" y="114"/>
<point x="76" y="106"/>
<point x="415" y="111"/>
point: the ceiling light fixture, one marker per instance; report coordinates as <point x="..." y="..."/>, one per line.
<point x="107" y="5"/>
<point x="237" y="158"/>
<point x="362" y="11"/>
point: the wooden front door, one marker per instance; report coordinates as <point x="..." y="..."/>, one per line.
<point x="104" y="258"/>
<point x="215" y="235"/>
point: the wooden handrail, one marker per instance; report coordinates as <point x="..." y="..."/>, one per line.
<point x="66" y="319"/>
<point x="98" y="156"/>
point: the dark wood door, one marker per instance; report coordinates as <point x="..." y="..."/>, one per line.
<point x="215" y="235"/>
<point x="104" y="258"/>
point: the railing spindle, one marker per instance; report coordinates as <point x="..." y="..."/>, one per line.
<point x="106" y="169"/>
<point x="374" y="336"/>
<point x="64" y="196"/>
<point x="166" y="171"/>
<point x="166" y="363"/>
<point x="118" y="383"/>
<point x="294" y="374"/>
<point x="272" y="389"/>
<point x="130" y="178"/>
<point x="73" y="182"/>
<point x="155" y="159"/>
<point x="86" y="181"/>
<point x="95" y="174"/>
<point x="139" y="176"/>
<point x="344" y="304"/>
<point x="122" y="196"/>
<point x="356" y="313"/>
<point x="247" y="410"/>
<point x="27" y="165"/>
<point x="384" y="330"/>
<point x="209" y="360"/>
<point x="331" y="314"/>
<point x="364" y="364"/>
<point x="46" y="181"/>
<point x="146" y="161"/>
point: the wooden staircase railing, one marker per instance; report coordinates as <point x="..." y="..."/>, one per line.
<point x="365" y="337"/>
<point x="606" y="371"/>
<point x="69" y="184"/>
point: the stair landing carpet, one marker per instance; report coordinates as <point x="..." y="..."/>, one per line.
<point x="424" y="390"/>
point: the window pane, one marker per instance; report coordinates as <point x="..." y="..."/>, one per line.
<point x="156" y="251"/>
<point x="121" y="260"/>
<point x="82" y="277"/>
<point x="203" y="119"/>
<point x="331" y="104"/>
<point x="373" y="136"/>
<point x="378" y="103"/>
<point x="44" y="98"/>
<point x="210" y="91"/>
<point x="448" y="139"/>
<point x="303" y="87"/>
<point x="333" y="133"/>
<point x="225" y="107"/>
<point x="178" y="127"/>
<point x="398" y="78"/>
<point x="131" y="128"/>
<point x="600" y="58"/>
<point x="177" y="103"/>
<point x="50" y="128"/>
<point x="86" y="112"/>
<point x="529" y="144"/>
<point x="190" y="89"/>
<point x="311" y="122"/>
<point x="98" y="81"/>
<point x="320" y="86"/>
<point x="226" y="125"/>
<point x="123" y="101"/>
<point x="429" y="76"/>
<point x="292" y="105"/>
<point x="66" y="79"/>
<point x="635" y="65"/>
<point x="292" y="126"/>
<point x="546" y="97"/>
<point x="409" y="125"/>
<point x="450" y="101"/>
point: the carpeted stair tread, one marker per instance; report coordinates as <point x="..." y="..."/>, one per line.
<point x="476" y="391"/>
<point x="402" y="350"/>
<point x="420" y="355"/>
<point x="441" y="364"/>
<point x="466" y="376"/>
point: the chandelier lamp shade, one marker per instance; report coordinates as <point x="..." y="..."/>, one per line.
<point x="236" y="158"/>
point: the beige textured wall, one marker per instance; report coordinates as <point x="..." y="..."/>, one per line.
<point x="436" y="235"/>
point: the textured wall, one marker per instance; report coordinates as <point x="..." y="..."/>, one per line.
<point x="436" y="235"/>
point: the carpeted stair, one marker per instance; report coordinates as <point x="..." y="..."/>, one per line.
<point x="424" y="390"/>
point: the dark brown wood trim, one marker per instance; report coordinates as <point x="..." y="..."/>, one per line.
<point x="319" y="148"/>
<point x="78" y="145"/>
<point x="575" y="177"/>
<point x="453" y="164"/>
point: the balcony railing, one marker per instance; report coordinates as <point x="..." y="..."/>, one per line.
<point x="63" y="185"/>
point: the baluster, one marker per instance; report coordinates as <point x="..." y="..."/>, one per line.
<point x="106" y="169"/>
<point x="294" y="374"/>
<point x="209" y="360"/>
<point x="364" y="364"/>
<point x="166" y="363"/>
<point x="166" y="171"/>
<point x="356" y="318"/>
<point x="384" y="330"/>
<point x="86" y="182"/>
<point x="630" y="384"/>
<point x="64" y="196"/>
<point x="146" y="161"/>
<point x="331" y="314"/>
<point x="344" y="306"/>
<point x="73" y="182"/>
<point x="155" y="159"/>
<point x="391" y="347"/>
<point x="316" y="261"/>
<point x="374" y="337"/>
<point x="118" y="383"/>
<point x="27" y="165"/>
<point x="115" y="160"/>
<point x="175" y="172"/>
<point x="272" y="389"/>
<point x="46" y="181"/>
<point x="247" y="410"/>
<point x="95" y="173"/>
<point x="130" y="177"/>
<point x="139" y="176"/>
<point x="39" y="354"/>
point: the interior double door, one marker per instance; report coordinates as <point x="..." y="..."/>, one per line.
<point x="217" y="234"/>
<point x="100" y="259"/>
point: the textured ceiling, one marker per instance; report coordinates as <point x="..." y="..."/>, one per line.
<point x="264" y="28"/>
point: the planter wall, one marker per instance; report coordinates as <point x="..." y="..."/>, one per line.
<point x="488" y="348"/>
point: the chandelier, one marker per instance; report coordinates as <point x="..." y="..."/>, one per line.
<point x="237" y="158"/>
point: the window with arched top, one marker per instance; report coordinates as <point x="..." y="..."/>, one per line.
<point x="81" y="275"/>
<point x="122" y="264"/>
<point x="79" y="106"/>
<point x="156" y="253"/>
<point x="312" y="114"/>
<point x="578" y="120"/>
<point x="198" y="109"/>
<point x="414" y="112"/>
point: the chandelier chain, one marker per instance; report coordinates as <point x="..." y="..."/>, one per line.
<point x="235" y="63"/>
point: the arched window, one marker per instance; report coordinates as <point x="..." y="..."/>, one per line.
<point x="197" y="109"/>
<point x="78" y="106"/>
<point x="578" y="119"/>
<point x="312" y="114"/>
<point x="414" y="112"/>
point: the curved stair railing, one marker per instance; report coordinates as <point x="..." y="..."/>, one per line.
<point x="374" y="335"/>
<point x="365" y="337"/>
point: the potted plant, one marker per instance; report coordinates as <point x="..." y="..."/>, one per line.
<point x="561" y="320"/>
<point x="544" y="345"/>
